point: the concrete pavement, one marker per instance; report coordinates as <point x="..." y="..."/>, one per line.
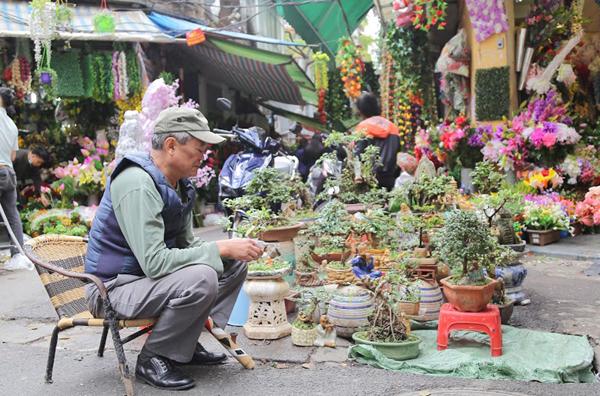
<point x="563" y="298"/>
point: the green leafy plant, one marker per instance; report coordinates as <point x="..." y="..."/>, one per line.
<point x="486" y="178"/>
<point x="333" y="220"/>
<point x="465" y="244"/>
<point x="426" y="194"/>
<point x="338" y="265"/>
<point x="68" y="70"/>
<point x="493" y="93"/>
<point x="268" y="264"/>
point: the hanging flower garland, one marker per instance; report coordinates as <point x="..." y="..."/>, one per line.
<point x="42" y="27"/>
<point x="321" y="82"/>
<point x="429" y="14"/>
<point x="487" y="17"/>
<point x="18" y="76"/>
<point x="134" y="82"/>
<point x="119" y="71"/>
<point x="351" y="66"/>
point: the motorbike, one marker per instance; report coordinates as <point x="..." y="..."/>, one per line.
<point x="259" y="151"/>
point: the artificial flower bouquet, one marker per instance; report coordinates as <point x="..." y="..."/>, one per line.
<point x="588" y="210"/>
<point x="460" y="141"/>
<point x="543" y="179"/>
<point x="544" y="216"/>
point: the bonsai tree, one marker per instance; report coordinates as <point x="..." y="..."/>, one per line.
<point x="386" y="324"/>
<point x="465" y="244"/>
<point x="426" y="194"/>
<point x="333" y="220"/>
<point x="486" y="178"/>
<point x="305" y="319"/>
<point x="499" y="209"/>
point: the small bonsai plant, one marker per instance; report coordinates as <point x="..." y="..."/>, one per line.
<point x="268" y="266"/>
<point x="333" y="220"/>
<point x="386" y="324"/>
<point x="465" y="244"/>
<point x="305" y="319"/>
<point x="426" y="194"/>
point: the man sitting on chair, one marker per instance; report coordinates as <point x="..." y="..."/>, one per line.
<point x="141" y="245"/>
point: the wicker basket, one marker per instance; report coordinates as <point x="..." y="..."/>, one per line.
<point x="301" y="337"/>
<point x="340" y="275"/>
<point x="409" y="308"/>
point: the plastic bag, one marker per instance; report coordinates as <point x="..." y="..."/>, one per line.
<point x="18" y="261"/>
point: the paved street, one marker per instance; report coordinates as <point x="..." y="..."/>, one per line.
<point x="564" y="299"/>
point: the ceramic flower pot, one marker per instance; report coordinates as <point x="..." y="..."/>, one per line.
<point x="506" y="311"/>
<point x="402" y="350"/>
<point x="468" y="298"/>
<point x="301" y="337"/>
<point x="280" y="234"/>
<point x="349" y="310"/>
<point x="513" y="277"/>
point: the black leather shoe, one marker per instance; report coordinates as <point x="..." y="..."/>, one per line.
<point x="203" y="357"/>
<point x="160" y="373"/>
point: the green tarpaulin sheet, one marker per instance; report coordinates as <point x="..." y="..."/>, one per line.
<point x="324" y="22"/>
<point x="528" y="355"/>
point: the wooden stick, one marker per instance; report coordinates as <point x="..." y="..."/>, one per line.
<point x="229" y="344"/>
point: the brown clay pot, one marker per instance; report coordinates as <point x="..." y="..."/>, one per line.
<point x="443" y="271"/>
<point x="469" y="298"/>
<point x="280" y="234"/>
<point x="334" y="256"/>
<point x="340" y="276"/>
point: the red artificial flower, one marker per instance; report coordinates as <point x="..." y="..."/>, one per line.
<point x="545" y="172"/>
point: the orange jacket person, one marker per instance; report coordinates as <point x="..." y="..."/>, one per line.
<point x="379" y="132"/>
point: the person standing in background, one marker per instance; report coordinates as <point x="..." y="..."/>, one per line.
<point x="9" y="145"/>
<point x="27" y="166"/>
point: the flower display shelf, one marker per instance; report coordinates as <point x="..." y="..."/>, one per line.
<point x="267" y="317"/>
<point x="542" y="238"/>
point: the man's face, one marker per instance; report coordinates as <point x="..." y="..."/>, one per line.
<point x="35" y="160"/>
<point x="189" y="156"/>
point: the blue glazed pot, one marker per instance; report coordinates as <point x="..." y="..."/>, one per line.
<point x="513" y="277"/>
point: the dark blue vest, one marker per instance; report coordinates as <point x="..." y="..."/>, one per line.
<point x="108" y="253"/>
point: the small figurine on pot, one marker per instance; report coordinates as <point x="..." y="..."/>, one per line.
<point x="363" y="267"/>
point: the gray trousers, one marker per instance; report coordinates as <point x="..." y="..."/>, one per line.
<point x="8" y="199"/>
<point x="182" y="301"/>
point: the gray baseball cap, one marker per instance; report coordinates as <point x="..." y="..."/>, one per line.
<point x="183" y="119"/>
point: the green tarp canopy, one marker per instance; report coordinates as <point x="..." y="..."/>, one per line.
<point x="324" y="22"/>
<point x="264" y="74"/>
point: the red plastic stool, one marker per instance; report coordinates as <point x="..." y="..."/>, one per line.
<point x="487" y="321"/>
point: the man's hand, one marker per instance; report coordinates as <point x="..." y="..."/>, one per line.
<point x="240" y="249"/>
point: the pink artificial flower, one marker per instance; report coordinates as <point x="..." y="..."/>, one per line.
<point x="62" y="187"/>
<point x="549" y="140"/>
<point x="85" y="152"/>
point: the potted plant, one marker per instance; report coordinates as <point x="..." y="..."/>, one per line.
<point x="408" y="293"/>
<point x="304" y="328"/>
<point x="267" y="291"/>
<point x="388" y="329"/>
<point x="486" y="178"/>
<point x="306" y="271"/>
<point x="339" y="272"/>
<point x="499" y="208"/>
<point x="465" y="244"/>
<point x="544" y="222"/>
<point x="330" y="231"/>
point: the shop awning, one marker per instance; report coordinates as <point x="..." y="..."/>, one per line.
<point x="131" y="25"/>
<point x="263" y="74"/>
<point x="324" y="22"/>
<point x="292" y="116"/>
<point x="178" y="27"/>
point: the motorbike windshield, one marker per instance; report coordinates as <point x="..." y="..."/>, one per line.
<point x="254" y="136"/>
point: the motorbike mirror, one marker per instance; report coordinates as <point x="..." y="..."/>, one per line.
<point x="224" y="104"/>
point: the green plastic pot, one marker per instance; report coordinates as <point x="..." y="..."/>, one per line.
<point x="403" y="350"/>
